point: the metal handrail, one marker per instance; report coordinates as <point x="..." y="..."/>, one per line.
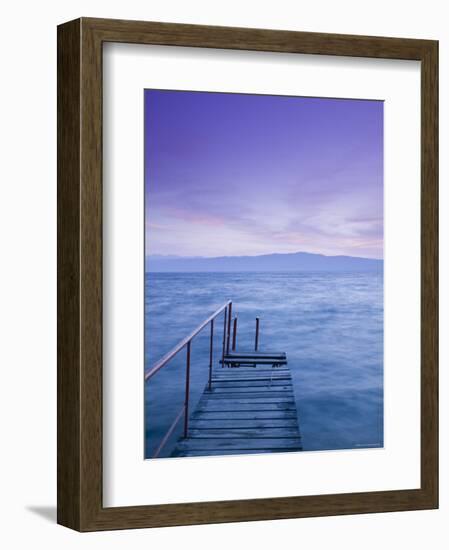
<point x="174" y="351"/>
<point x="187" y="341"/>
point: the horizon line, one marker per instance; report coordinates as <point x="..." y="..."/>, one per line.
<point x="178" y="257"/>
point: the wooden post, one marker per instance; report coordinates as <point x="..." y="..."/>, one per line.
<point x="224" y="337"/>
<point x="256" y="344"/>
<point x="186" y="402"/>
<point x="228" y="340"/>
<point x="234" y="334"/>
<point x="211" y="352"/>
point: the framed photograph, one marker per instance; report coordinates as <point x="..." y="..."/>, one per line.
<point x="247" y="274"/>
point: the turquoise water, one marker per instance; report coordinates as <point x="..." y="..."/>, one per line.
<point x="329" y="324"/>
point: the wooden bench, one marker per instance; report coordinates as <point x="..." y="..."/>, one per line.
<point x="254" y="358"/>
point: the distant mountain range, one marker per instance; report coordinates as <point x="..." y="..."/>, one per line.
<point x="298" y="261"/>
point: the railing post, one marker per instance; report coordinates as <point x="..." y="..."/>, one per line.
<point x="211" y="352"/>
<point x="224" y="336"/>
<point x="256" y="343"/>
<point x="229" y="327"/>
<point x="234" y="334"/>
<point x="186" y="402"/>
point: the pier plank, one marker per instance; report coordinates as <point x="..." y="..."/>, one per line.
<point x="250" y="377"/>
<point x="253" y="399"/>
<point x="256" y="354"/>
<point x="258" y="361"/>
<point x="252" y="371"/>
<point x="216" y="444"/>
<point x="243" y="423"/>
<point x="218" y="406"/>
<point x="218" y="383"/>
<point x="247" y="388"/>
<point x="246" y="433"/>
<point x="223" y="452"/>
<point x="244" y="415"/>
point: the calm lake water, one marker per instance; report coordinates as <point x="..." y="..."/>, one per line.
<point x="329" y="324"/>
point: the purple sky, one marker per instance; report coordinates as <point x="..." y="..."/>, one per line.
<point x="234" y="174"/>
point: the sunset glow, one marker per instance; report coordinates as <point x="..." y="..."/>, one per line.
<point x="235" y="174"/>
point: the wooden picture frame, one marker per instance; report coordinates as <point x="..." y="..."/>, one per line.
<point x="80" y="504"/>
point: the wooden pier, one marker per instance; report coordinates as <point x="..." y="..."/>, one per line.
<point x="247" y="408"/>
<point x="248" y="405"/>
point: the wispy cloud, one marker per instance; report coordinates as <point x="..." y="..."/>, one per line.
<point x="229" y="174"/>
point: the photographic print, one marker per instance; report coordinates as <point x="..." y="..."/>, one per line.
<point x="263" y="274"/>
